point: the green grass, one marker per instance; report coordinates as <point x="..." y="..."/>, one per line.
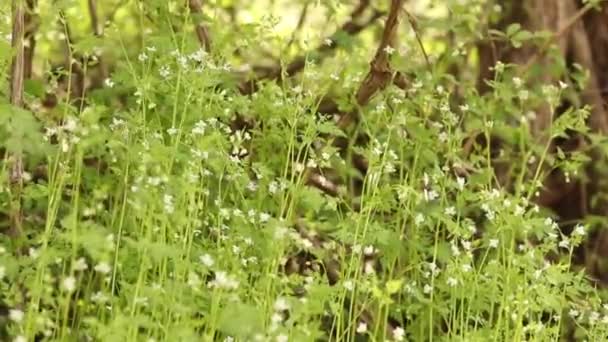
<point x="156" y="221"/>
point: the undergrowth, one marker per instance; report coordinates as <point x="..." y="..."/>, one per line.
<point x="157" y="218"/>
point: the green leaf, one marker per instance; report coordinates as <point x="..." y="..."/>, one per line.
<point x="240" y="320"/>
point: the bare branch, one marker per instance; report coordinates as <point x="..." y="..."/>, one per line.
<point x="98" y="32"/>
<point x="380" y="74"/>
<point x="352" y="27"/>
<point x="201" y="30"/>
<point x="301" y="21"/>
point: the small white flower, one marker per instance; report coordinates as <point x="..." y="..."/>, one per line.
<point x="282" y="338"/>
<point x="493" y="243"/>
<point x="565" y="243"/>
<point x="419" y="219"/>
<point x="466" y="268"/>
<point x="349" y="285"/>
<point x="517" y="81"/>
<point x="362" y="328"/>
<point x="206" y="260"/>
<point x="427" y="289"/>
<point x="164" y="72"/>
<point x="450" y="211"/>
<point x="142" y="57"/>
<point x="276" y="318"/>
<point x="80" y="265"/>
<point x="172" y="131"/>
<point x="109" y="83"/>
<point x="328" y="42"/>
<point x="16" y="315"/>
<point x="579" y="230"/>
<point x="389" y="50"/>
<point x="264" y="217"/>
<point x="99" y="297"/>
<point x="69" y="284"/>
<point x="460" y="181"/>
<point x="281" y="304"/>
<point x="20" y="339"/>
<point x="452" y="281"/>
<point x="398" y="333"/>
<point x="103" y="267"/>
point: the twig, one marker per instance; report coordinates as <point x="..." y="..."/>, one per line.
<point x="301" y="21"/>
<point x="201" y="30"/>
<point x="98" y="32"/>
<point x="380" y="73"/>
<point x="412" y="20"/>
<point x="351" y="28"/>
<point x="560" y="31"/>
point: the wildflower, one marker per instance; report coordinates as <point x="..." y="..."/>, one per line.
<point x="450" y="211"/>
<point x="273" y="187"/>
<point x="349" y="285"/>
<point x="168" y="203"/>
<point x="389" y="50"/>
<point x="328" y="42"/>
<point x="20" y="339"/>
<point x="427" y="289"/>
<point x="164" y="72"/>
<point x="398" y="333"/>
<point x="493" y="243"/>
<point x="430" y="195"/>
<point x="99" y="297"/>
<point x="517" y="81"/>
<point x="281" y="304"/>
<point x="579" y="230"/>
<point x="362" y="328"/>
<point x="368" y="250"/>
<point x="419" y="219"/>
<point x="264" y="217"/>
<point x="108" y="83"/>
<point x="276" y="318"/>
<point x="452" y="282"/>
<point x="460" y="181"/>
<point x="16" y="315"/>
<point x="194" y="280"/>
<point x="565" y="243"/>
<point x="103" y="267"/>
<point x="142" y="57"/>
<point x="172" y="131"/>
<point x="222" y="280"/>
<point x="69" y="284"/>
<point x="80" y="265"/>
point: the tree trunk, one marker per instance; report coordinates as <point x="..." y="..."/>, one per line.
<point x="580" y="35"/>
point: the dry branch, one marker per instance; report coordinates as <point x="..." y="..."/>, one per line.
<point x="98" y="32"/>
<point x="202" y="33"/>
<point x="380" y="74"/>
<point x="352" y="27"/>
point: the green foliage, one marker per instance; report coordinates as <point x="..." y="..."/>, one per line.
<point x="158" y="220"/>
